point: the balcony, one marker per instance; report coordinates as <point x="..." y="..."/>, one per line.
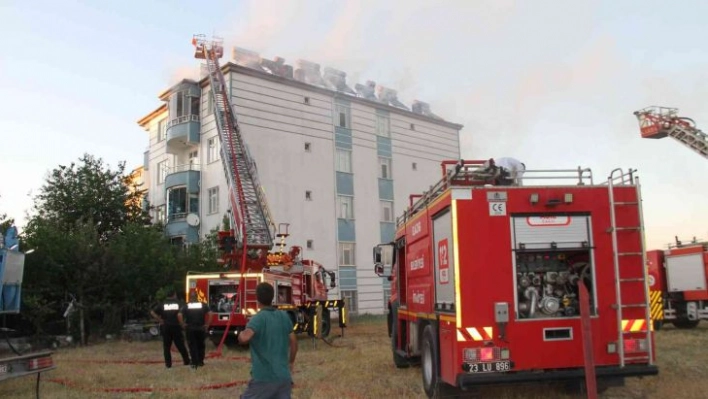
<point x="183" y="132"/>
<point x="177" y="226"/>
<point x="187" y="175"/>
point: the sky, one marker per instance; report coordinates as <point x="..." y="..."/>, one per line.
<point x="552" y="83"/>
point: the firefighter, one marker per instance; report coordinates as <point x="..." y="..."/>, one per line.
<point x="166" y="314"/>
<point x="505" y="171"/>
<point x="192" y="317"/>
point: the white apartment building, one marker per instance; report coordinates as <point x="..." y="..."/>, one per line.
<point x="337" y="163"/>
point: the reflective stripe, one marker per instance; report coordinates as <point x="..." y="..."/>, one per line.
<point x="633" y="325"/>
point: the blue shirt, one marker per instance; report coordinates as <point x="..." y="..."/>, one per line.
<point x="270" y="345"/>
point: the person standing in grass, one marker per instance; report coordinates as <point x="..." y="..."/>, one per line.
<point x="192" y="317"/>
<point x="166" y="314"/>
<point x="273" y="349"/>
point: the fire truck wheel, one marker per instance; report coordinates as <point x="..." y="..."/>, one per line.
<point x="326" y="323"/>
<point x="430" y="366"/>
<point x="685" y="324"/>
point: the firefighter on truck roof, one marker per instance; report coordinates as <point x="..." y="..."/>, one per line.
<point x="505" y="171"/>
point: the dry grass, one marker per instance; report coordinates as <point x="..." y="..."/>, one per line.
<point x="360" y="366"/>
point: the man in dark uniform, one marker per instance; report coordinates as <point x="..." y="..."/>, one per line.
<point x="166" y="314"/>
<point x="192" y="317"/>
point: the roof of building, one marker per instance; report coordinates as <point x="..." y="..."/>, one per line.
<point x="152" y="115"/>
<point x="306" y="75"/>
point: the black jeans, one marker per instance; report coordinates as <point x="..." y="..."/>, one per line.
<point x="195" y="339"/>
<point x="173" y="334"/>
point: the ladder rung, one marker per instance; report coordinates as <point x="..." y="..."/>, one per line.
<point x="628" y="280"/>
<point x="626" y="228"/>
<point x="635" y="305"/>
<point x="629" y="253"/>
<point x="626" y="203"/>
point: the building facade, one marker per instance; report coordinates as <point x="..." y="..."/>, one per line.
<point x="336" y="163"/>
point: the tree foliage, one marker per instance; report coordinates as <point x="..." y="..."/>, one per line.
<point x="92" y="240"/>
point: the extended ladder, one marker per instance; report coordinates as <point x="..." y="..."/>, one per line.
<point x="250" y="217"/>
<point x="627" y="259"/>
<point x="657" y="122"/>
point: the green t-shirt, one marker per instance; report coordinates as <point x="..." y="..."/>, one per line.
<point x="270" y="345"/>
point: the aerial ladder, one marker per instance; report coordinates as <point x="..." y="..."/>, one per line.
<point x="659" y="122"/>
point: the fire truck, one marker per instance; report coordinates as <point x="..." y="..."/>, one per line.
<point x="13" y="362"/>
<point x="246" y="247"/>
<point x="677" y="279"/>
<point x="497" y="283"/>
<point x="677" y="276"/>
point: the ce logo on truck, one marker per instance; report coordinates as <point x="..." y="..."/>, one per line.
<point x="497" y="208"/>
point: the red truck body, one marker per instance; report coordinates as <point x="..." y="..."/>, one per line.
<point x="485" y="282"/>
<point x="679" y="289"/>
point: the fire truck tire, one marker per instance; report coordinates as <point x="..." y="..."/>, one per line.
<point x="685" y="324"/>
<point x="326" y="325"/>
<point x="430" y="366"/>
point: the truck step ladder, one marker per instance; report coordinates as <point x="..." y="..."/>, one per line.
<point x="623" y="262"/>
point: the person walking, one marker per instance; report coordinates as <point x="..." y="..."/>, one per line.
<point x="192" y="317"/>
<point x="273" y="349"/>
<point x="166" y="314"/>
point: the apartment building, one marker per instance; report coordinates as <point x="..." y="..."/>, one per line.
<point x="337" y="163"/>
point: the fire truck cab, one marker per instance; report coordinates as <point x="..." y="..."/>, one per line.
<point x="508" y="284"/>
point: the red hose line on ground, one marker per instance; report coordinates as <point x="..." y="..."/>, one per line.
<point x="72" y="384"/>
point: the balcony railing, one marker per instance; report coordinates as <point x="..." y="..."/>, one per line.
<point x="183" y="119"/>
<point x="183" y="168"/>
<point x="173" y="217"/>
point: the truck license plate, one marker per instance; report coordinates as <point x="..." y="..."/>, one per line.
<point x="490" y="367"/>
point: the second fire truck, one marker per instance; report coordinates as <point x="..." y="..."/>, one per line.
<point x="508" y="284"/>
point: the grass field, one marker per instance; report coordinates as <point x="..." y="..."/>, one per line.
<point x="359" y="366"/>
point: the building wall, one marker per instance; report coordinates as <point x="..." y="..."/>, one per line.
<point x="293" y="133"/>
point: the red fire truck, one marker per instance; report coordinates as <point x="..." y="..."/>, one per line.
<point x="677" y="280"/>
<point x="246" y="247"/>
<point x="499" y="284"/>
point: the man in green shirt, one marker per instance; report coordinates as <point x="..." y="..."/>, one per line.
<point x="273" y="349"/>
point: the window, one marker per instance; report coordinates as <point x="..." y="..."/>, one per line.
<point x="344" y="161"/>
<point x="195" y="105"/>
<point x="213" y="195"/>
<point x="386" y="211"/>
<point x="342" y="115"/>
<point x="210" y="103"/>
<point x="383" y="126"/>
<point x="384" y="168"/>
<point x="307" y="100"/>
<point x="308" y="147"/>
<point x="414" y="166"/>
<point x="212" y="149"/>
<point x="177" y="203"/>
<point x="162" y="169"/>
<point x="160" y="214"/>
<point x="310" y="244"/>
<point x="194" y="158"/>
<point x="179" y="109"/>
<point x="346" y="207"/>
<point x="161" y="130"/>
<point x="350" y="300"/>
<point x="346" y="254"/>
<point x="308" y="195"/>
<point x="412" y="126"/>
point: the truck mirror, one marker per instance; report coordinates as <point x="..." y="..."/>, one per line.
<point x="377" y="254"/>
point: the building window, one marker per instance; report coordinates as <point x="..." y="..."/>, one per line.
<point x="162" y="169"/>
<point x="194" y="158"/>
<point x="161" y="130"/>
<point x="414" y="166"/>
<point x="212" y="149"/>
<point x="346" y="207"/>
<point x="346" y="254"/>
<point x="307" y="100"/>
<point x="213" y="195"/>
<point x="160" y="214"/>
<point x="350" y="300"/>
<point x="412" y="126"/>
<point x="342" y="115"/>
<point x="310" y="244"/>
<point x="308" y="195"/>
<point x="177" y="203"/>
<point x="386" y="211"/>
<point x="308" y="147"/>
<point x="210" y="103"/>
<point x="344" y="161"/>
<point x="383" y="126"/>
<point x="385" y="168"/>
